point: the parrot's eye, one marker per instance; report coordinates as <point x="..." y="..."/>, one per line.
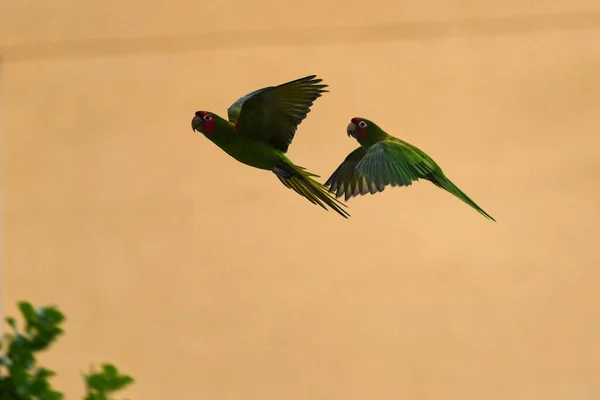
<point x="362" y="124"/>
<point x="207" y="117"/>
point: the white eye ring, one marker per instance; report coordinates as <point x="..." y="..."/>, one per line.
<point x="207" y="117"/>
<point x="362" y="124"/>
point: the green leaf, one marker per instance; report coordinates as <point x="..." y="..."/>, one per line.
<point x="19" y="352"/>
<point x="19" y="377"/>
<point x="102" y="383"/>
<point x="51" y="315"/>
<point x="110" y="371"/>
<point x="44" y="373"/>
<point x="28" y="312"/>
<point x="96" y="381"/>
<point x="52" y="395"/>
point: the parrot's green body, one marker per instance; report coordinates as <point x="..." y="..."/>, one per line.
<point x="260" y="128"/>
<point x="383" y="160"/>
<point x="251" y="152"/>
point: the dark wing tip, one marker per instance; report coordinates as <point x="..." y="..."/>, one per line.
<point x="309" y="78"/>
<point x="312" y="80"/>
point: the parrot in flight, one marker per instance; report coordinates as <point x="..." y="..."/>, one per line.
<point x="383" y="160"/>
<point x="259" y="129"/>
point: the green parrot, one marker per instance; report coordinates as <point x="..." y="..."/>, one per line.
<point x="260" y="127"/>
<point x="383" y="160"/>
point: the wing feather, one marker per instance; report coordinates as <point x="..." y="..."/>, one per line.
<point x="345" y="181"/>
<point x="394" y="163"/>
<point x="272" y="114"/>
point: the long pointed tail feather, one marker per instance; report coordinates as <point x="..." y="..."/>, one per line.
<point x="449" y="186"/>
<point x="299" y="180"/>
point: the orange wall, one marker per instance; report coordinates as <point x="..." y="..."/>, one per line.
<point x="204" y="278"/>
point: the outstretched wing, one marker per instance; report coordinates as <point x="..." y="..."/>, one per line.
<point x="272" y="114"/>
<point x="346" y="181"/>
<point x="395" y="163"/>
<point x="233" y="112"/>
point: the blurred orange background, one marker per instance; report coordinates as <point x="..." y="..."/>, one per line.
<point x="207" y="279"/>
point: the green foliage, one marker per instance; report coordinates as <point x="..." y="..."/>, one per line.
<point x="101" y="384"/>
<point x="22" y="379"/>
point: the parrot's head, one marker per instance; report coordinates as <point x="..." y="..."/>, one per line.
<point x="204" y="122"/>
<point x="364" y="131"/>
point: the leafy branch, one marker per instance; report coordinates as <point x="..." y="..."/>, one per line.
<point x="22" y="379"/>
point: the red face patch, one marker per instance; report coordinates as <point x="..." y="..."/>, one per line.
<point x="208" y="121"/>
<point x="361" y="126"/>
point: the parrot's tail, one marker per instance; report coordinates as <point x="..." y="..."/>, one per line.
<point x="447" y="184"/>
<point x="300" y="180"/>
